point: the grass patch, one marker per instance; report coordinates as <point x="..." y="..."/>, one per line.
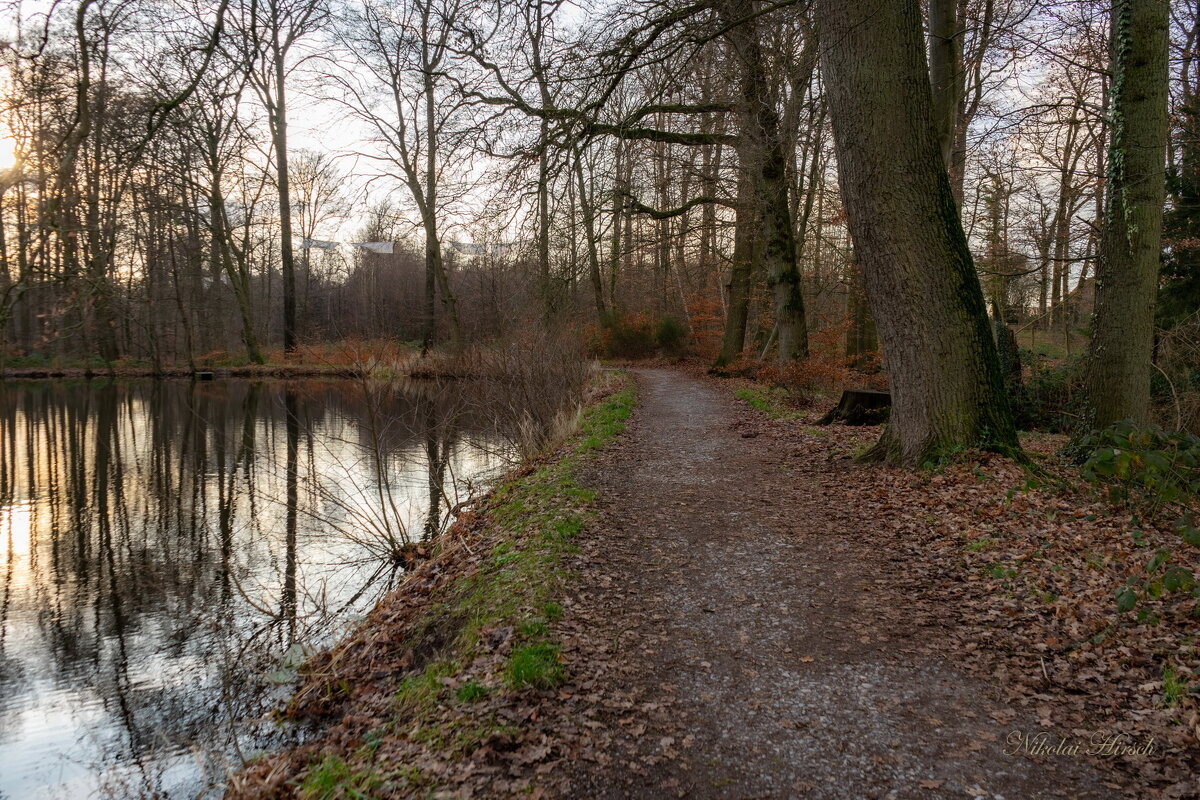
<point x="424" y="688"/>
<point x="1001" y="572"/>
<point x="982" y="543"/>
<point x="776" y="403"/>
<point x="1174" y="687"/>
<point x="331" y="777"/>
<point x="471" y="691"/>
<point x="534" y="627"/>
<point x="535" y="665"/>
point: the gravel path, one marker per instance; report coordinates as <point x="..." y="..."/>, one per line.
<point x="746" y="641"/>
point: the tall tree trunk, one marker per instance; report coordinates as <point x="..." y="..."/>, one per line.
<point x="947" y="390"/>
<point x="1119" y="365"/>
<point x="619" y="197"/>
<point x="741" y="275"/>
<point x="222" y="256"/>
<point x="433" y="256"/>
<point x="945" y="66"/>
<point x="287" y="260"/>
<point x="589" y="230"/>
<point x="763" y="162"/>
<point x="543" y="230"/>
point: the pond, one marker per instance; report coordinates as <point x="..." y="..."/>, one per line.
<point x="170" y="551"/>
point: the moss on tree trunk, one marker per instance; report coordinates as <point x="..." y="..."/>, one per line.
<point x="947" y="390"/>
<point x="1120" y="359"/>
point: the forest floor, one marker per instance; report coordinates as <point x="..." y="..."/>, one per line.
<point x="748" y="612"/>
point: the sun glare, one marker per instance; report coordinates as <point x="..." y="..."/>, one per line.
<point x="15" y="531"/>
<point x="8" y="153"/>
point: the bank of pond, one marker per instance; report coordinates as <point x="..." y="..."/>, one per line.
<point x="171" y="551"/>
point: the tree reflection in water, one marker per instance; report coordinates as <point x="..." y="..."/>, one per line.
<point x="168" y="551"/>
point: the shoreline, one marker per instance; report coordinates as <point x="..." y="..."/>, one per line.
<point x="248" y="371"/>
<point x="471" y="631"/>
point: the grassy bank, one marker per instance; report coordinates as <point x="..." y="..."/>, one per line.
<point x="448" y="667"/>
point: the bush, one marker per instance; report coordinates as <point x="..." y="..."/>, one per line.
<point x="1143" y="463"/>
<point x="1165" y="574"/>
<point x="1153" y="466"/>
<point x="670" y="335"/>
<point x="630" y="338"/>
<point x="1052" y="398"/>
<point x="638" y="336"/>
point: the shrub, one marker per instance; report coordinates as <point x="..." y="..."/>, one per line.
<point x="670" y="335"/>
<point x="543" y="374"/>
<point x="1143" y="463"/>
<point x="1165" y="574"/>
<point x="638" y="336"/>
<point x="1053" y="394"/>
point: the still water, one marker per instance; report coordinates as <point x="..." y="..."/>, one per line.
<point x="170" y="551"/>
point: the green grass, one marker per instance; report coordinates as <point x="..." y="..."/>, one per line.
<point x="331" y="777"/>
<point x="536" y="665"/>
<point x="422" y="689"/>
<point x="471" y="691"/>
<point x="775" y="402"/>
<point x="1174" y="687"/>
<point x="1001" y="572"/>
<point x="534" y="627"/>
<point x="982" y="543"/>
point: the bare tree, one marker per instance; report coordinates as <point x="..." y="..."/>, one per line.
<point x="268" y="30"/>
<point x="415" y="114"/>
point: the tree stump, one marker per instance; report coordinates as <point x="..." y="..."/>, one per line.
<point x="860" y="407"/>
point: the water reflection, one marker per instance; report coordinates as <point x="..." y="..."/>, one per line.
<point x="169" y="550"/>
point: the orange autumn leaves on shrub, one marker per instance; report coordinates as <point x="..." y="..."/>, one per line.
<point x="826" y="370"/>
<point x="638" y="335"/>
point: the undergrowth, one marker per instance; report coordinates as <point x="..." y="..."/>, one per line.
<point x="775" y="402"/>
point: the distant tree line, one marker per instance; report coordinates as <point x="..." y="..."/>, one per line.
<point x="903" y="173"/>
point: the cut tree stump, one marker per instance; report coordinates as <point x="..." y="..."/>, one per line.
<point x="860" y="407"/>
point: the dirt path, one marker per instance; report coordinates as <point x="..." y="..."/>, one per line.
<point x="742" y="640"/>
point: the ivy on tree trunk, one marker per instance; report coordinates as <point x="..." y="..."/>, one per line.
<point x="1120" y="359"/>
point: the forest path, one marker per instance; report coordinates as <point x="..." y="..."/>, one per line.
<point x="745" y="643"/>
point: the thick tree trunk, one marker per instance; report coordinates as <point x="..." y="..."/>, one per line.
<point x="1120" y="360"/>
<point x="745" y="244"/>
<point x="763" y="163"/>
<point x="945" y="66"/>
<point x="779" y="257"/>
<point x="947" y="389"/>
